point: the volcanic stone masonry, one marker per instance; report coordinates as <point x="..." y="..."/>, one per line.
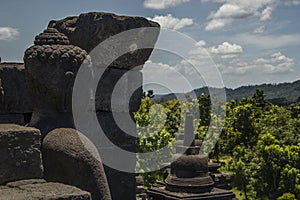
<point x="14" y="96"/>
<point x="89" y="30"/>
<point x="43" y="88"/>
<point x="51" y="66"/>
<point x="20" y="153"/>
<point x="21" y="169"/>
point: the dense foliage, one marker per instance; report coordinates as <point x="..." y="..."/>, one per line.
<point x="262" y="141"/>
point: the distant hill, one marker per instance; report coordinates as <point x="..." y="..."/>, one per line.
<point x="281" y="93"/>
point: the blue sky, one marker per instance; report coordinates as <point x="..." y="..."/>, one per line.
<point x="250" y="42"/>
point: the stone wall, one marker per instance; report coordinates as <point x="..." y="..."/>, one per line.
<point x="14" y="94"/>
<point x="20" y="153"/>
<point x="36" y="189"/>
<point x="21" y="168"/>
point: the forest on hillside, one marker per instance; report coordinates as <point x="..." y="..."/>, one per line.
<point x="259" y="141"/>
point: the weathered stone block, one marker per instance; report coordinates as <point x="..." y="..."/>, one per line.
<point x="67" y="160"/>
<point x="20" y="153"/>
<point x="119" y="90"/>
<point x="90" y="29"/>
<point x="118" y="127"/>
<point x="36" y="189"/>
<point x="12" y="119"/>
<point x="118" y="133"/>
<point x="159" y="192"/>
<point x="14" y="93"/>
<point x="122" y="185"/>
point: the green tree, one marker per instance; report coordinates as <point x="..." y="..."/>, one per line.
<point x="204" y="102"/>
<point x="287" y="196"/>
<point x="153" y="135"/>
<point x="295" y="109"/>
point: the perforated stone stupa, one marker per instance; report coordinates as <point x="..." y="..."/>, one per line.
<point x="189" y="177"/>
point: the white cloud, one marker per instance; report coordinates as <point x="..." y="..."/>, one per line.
<point x="232" y="10"/>
<point x="237" y="67"/>
<point x="162" y="4"/>
<point x="275" y="58"/>
<point x="171" y="22"/>
<point x="216" y="24"/>
<point x="226" y="49"/>
<point x="266" y="13"/>
<point x="8" y="33"/>
<point x="292" y="2"/>
<point x="268" y="41"/>
<point x="227" y="59"/>
<point x="201" y="43"/>
<point x="195" y="70"/>
<point x="259" y="29"/>
<point x="160" y="77"/>
<point x="276" y="63"/>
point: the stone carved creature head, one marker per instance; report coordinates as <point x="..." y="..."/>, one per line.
<point x="51" y="66"/>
